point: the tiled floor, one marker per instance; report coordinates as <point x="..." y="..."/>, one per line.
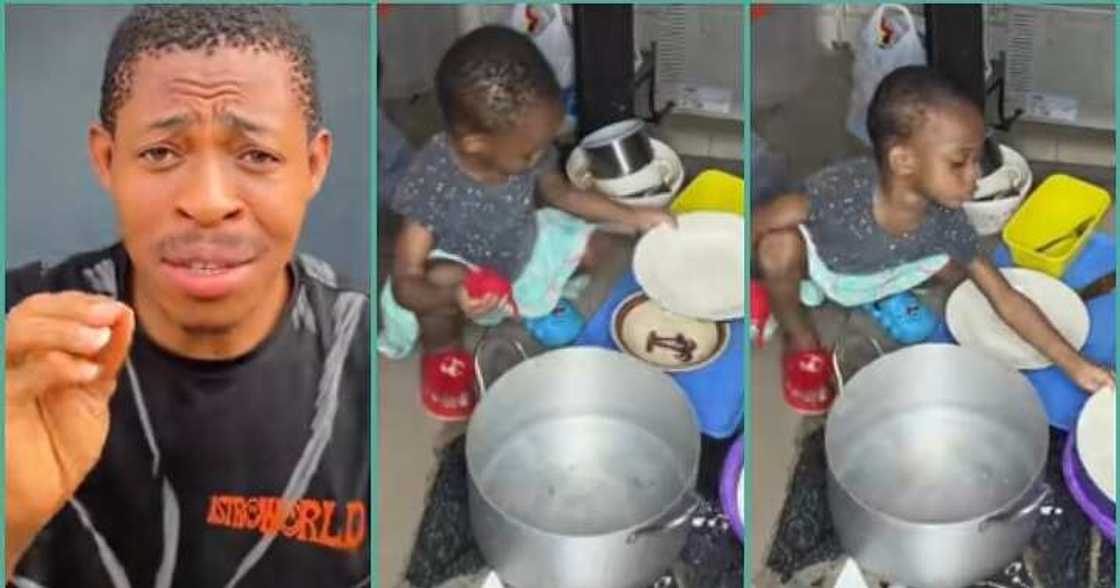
<point x="408" y="438"/>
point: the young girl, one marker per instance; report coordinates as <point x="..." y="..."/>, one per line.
<point x="469" y="200"/>
<point x="864" y="230"/>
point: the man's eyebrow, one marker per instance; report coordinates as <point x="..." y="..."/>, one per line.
<point x="243" y="124"/>
<point x="236" y="121"/>
<point x="172" y="122"/>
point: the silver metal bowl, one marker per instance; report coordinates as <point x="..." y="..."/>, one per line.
<point x="618" y="149"/>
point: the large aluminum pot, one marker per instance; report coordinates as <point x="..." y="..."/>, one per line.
<point x="582" y="465"/>
<point x="936" y="456"/>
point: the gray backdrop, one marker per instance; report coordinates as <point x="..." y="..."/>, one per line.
<point x="55" y="206"/>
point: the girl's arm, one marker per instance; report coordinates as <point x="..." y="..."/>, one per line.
<point x="1022" y="315"/>
<point x="783" y="212"/>
<point x="595" y="207"/>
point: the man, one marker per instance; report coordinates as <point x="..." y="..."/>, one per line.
<point x="190" y="407"/>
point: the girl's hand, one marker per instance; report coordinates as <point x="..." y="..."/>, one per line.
<point x="645" y="219"/>
<point x="1092" y="378"/>
<point x="477" y="307"/>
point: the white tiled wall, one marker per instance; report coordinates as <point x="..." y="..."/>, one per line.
<point x="702" y="136"/>
<point x="1041" y="142"/>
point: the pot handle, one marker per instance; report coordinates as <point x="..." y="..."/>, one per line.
<point x="838" y="354"/>
<point x="692" y="499"/>
<point x="1016" y="513"/>
<point x="483" y="343"/>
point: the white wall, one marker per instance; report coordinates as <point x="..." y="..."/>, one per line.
<point x="411" y="41"/>
<point x="801" y="82"/>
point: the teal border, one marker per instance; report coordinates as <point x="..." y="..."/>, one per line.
<point x="374" y="382"/>
<point x="748" y="445"/>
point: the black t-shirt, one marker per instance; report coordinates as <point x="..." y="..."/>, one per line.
<point x="203" y="455"/>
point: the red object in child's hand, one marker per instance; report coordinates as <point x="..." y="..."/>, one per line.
<point x="483" y="280"/>
<point x="762" y="326"/>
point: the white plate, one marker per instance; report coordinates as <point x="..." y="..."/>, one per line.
<point x="974" y="322"/>
<point x="697" y="270"/>
<point x="1096" y="440"/>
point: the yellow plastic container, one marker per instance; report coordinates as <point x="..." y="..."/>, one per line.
<point x="712" y="190"/>
<point x="1055" y="211"/>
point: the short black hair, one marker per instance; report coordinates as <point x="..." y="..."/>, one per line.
<point x="902" y="103"/>
<point x="489" y="76"/>
<point x="160" y="29"/>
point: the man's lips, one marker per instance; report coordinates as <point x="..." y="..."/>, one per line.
<point x="207" y="263"/>
<point x="210" y="275"/>
<point x="208" y="256"/>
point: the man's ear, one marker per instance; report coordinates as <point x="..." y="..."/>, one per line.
<point x="101" y="153"/>
<point x="319" y="158"/>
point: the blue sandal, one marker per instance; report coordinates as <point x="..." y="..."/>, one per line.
<point x="559" y="327"/>
<point x="904" y="317"/>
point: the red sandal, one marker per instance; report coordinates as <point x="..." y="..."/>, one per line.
<point x="807" y="384"/>
<point x="447" y="388"/>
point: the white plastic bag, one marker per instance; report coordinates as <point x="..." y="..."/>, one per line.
<point x="874" y="60"/>
<point x="545" y="24"/>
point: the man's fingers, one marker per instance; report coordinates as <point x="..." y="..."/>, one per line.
<point x="90" y="309"/>
<point x="113" y="356"/>
<point x="49" y="370"/>
<point x="31" y="332"/>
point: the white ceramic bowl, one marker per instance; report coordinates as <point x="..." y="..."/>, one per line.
<point x="989" y="216"/>
<point x="666" y="166"/>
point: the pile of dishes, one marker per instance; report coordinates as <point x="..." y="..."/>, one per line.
<point x="691" y="286"/>
<point x="999" y="194"/>
<point x="622" y="161"/>
<point x="678" y="321"/>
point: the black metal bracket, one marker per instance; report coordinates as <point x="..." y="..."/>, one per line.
<point x="999" y="85"/>
<point x="647" y="72"/>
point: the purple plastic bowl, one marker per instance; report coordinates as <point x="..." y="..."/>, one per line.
<point x="1101" y="510"/>
<point x="728" y="491"/>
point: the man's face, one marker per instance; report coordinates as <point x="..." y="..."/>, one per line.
<point x="211" y="169"/>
